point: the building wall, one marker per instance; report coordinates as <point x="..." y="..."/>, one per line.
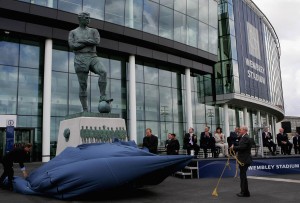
<point x="248" y="74"/>
<point x="192" y="22"/>
<point x="161" y="59"/>
<point x="166" y="37"/>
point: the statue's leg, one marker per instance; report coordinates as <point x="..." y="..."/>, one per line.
<point x="82" y="79"/>
<point x="102" y="83"/>
<point x="97" y="67"/>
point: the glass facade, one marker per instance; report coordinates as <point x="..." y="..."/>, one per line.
<point x="161" y="101"/>
<point x="191" y="22"/>
<point x="21" y="83"/>
<point x="273" y="65"/>
<point x="160" y="92"/>
<point x="226" y="70"/>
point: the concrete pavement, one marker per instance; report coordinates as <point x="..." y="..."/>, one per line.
<point x="271" y="189"/>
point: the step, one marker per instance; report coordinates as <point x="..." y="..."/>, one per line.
<point x="184" y="174"/>
<point x="191" y="167"/>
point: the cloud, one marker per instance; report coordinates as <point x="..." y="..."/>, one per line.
<point x="281" y="14"/>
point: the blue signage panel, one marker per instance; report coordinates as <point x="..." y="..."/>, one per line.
<point x="9" y="138"/>
<point x="250" y="43"/>
<point x="259" y="167"/>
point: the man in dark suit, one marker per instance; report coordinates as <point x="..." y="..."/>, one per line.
<point x="190" y="142"/>
<point x="296" y="142"/>
<point x="268" y="141"/>
<point x="244" y="156"/>
<point x="150" y="141"/>
<point x="173" y="145"/>
<point x="283" y="141"/>
<point x="233" y="138"/>
<point x="207" y="141"/>
<point x="17" y="155"/>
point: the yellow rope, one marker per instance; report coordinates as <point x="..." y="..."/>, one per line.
<point x="233" y="154"/>
<point x="238" y="162"/>
<point x="215" y="193"/>
<point x="227" y="164"/>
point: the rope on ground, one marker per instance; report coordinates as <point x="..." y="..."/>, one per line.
<point x="227" y="164"/>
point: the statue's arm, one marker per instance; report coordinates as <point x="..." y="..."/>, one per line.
<point x="97" y="37"/>
<point x="73" y="44"/>
<point x="94" y="41"/>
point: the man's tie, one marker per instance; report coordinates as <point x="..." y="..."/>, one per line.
<point x="191" y="140"/>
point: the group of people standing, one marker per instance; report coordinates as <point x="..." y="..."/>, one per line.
<point x="150" y="141"/>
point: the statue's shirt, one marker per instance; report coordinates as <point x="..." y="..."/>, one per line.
<point x="80" y="34"/>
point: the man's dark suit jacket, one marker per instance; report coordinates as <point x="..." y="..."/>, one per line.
<point x="233" y="139"/>
<point x="282" y="137"/>
<point x="207" y="141"/>
<point x="244" y="150"/>
<point x="295" y="141"/>
<point x="186" y="140"/>
<point x="173" y="147"/>
<point x="267" y="139"/>
<point x="151" y="143"/>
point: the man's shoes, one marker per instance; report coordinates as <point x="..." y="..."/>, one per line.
<point x="10" y="188"/>
<point x="243" y="194"/>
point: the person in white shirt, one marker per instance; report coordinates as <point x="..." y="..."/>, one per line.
<point x="190" y="142"/>
<point x="220" y="141"/>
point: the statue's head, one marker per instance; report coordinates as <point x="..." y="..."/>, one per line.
<point x="84" y="18"/>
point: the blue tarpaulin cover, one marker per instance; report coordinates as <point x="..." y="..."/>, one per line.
<point x="91" y="168"/>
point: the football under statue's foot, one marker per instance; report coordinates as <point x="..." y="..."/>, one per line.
<point x="104" y="105"/>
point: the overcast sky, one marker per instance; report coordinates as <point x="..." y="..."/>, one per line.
<point x="284" y="15"/>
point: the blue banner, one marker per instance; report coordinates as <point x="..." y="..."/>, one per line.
<point x="259" y="167"/>
<point x="9" y="138"/>
<point x="250" y="44"/>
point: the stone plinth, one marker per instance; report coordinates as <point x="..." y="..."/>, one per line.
<point x="88" y="128"/>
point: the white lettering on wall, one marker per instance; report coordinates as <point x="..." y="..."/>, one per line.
<point x="270" y="167"/>
<point x="255" y="75"/>
<point x="255" y="66"/>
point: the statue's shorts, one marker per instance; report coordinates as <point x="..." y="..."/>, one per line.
<point x="85" y="62"/>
